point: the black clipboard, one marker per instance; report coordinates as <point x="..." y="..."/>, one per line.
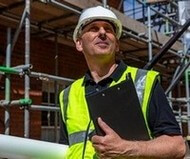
<point x="119" y="107"/>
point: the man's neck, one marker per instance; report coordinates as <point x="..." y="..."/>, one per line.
<point x="102" y="70"/>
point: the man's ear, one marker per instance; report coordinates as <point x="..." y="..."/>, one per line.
<point x="78" y="45"/>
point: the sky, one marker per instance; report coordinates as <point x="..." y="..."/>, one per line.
<point x="128" y="7"/>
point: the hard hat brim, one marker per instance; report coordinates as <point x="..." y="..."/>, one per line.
<point x="115" y="22"/>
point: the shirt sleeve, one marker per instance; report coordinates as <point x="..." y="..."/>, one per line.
<point x="161" y="118"/>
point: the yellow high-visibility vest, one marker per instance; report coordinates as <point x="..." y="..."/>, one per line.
<point x="75" y="114"/>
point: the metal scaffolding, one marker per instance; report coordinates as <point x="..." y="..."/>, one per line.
<point x="25" y="70"/>
<point x="171" y="23"/>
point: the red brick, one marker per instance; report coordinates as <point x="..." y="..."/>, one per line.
<point x="70" y="65"/>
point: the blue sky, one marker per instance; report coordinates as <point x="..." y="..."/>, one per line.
<point x="129" y="5"/>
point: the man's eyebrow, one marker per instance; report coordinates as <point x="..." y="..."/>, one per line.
<point x="91" y="25"/>
<point x="105" y="25"/>
<point x="96" y="24"/>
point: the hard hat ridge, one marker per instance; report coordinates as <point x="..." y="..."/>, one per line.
<point x="97" y="13"/>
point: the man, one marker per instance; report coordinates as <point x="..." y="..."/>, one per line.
<point x="96" y="36"/>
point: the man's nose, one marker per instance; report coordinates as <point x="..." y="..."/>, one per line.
<point x="102" y="32"/>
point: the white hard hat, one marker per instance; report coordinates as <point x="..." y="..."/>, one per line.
<point x="97" y="13"/>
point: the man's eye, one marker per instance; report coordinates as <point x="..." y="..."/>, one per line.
<point x="94" y="29"/>
<point x="109" y="30"/>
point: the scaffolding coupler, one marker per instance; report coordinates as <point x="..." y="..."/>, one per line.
<point x="20" y="102"/>
<point x="25" y="101"/>
<point x="21" y="69"/>
<point x="8" y="70"/>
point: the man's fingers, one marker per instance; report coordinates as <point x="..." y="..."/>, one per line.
<point x="104" y="126"/>
<point x="99" y="148"/>
<point x="97" y="139"/>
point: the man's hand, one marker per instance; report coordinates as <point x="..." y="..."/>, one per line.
<point x="110" y="145"/>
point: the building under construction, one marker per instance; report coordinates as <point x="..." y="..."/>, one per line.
<point x="38" y="57"/>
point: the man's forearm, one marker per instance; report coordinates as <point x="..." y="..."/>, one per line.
<point x="113" y="146"/>
<point x="163" y="147"/>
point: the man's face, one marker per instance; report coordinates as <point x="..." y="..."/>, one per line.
<point x="98" y="39"/>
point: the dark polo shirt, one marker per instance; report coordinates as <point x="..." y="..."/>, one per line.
<point x="161" y="119"/>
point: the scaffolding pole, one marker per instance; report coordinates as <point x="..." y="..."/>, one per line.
<point x="180" y="66"/>
<point x="44" y="76"/>
<point x="8" y="82"/>
<point x="163" y="15"/>
<point x="20" y="102"/>
<point x="166" y="17"/>
<point x="104" y="2"/>
<point x="19" y="28"/>
<point x="179" y="72"/>
<point x="171" y="86"/>
<point x="27" y="61"/>
<point x="187" y="97"/>
<point x="44" y="108"/>
<point x="187" y="84"/>
<point x="22" y="69"/>
<point x="138" y="37"/>
<point x="57" y="114"/>
<point x="166" y="47"/>
<point x="144" y="39"/>
<point x="149" y="34"/>
<point x="179" y="100"/>
<point x="64" y="6"/>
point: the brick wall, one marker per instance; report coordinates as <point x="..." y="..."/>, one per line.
<point x="70" y="65"/>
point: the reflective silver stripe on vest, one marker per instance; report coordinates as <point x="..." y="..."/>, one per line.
<point x="140" y="81"/>
<point x="66" y="100"/>
<point x="78" y="137"/>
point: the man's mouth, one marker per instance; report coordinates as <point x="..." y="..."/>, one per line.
<point x="102" y="44"/>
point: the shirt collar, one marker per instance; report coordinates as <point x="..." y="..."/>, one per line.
<point x="117" y="73"/>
